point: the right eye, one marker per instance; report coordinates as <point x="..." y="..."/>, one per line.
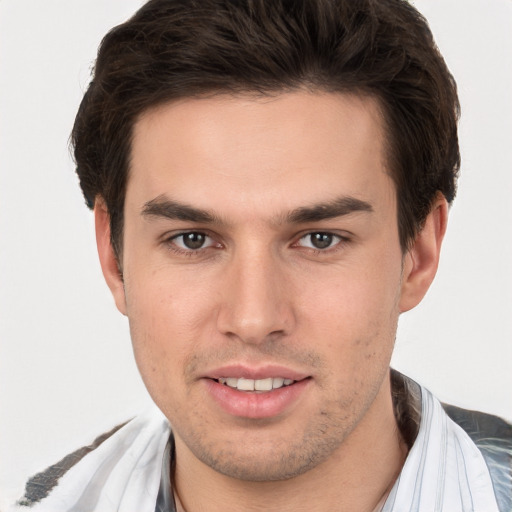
<point x="192" y="241"/>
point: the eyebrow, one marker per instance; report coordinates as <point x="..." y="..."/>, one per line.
<point x="167" y="208"/>
<point x="162" y="206"/>
<point x="337" y="208"/>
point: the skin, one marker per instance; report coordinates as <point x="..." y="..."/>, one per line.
<point x="259" y="293"/>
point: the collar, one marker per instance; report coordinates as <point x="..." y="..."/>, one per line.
<point x="444" y="469"/>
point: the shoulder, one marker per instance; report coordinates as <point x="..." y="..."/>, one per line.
<point x="484" y="429"/>
<point x="493" y="437"/>
<point x="40" y="485"/>
<point x="121" y="466"/>
<point x="490" y="434"/>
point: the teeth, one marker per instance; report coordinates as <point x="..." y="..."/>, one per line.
<point x="263" y="384"/>
<point x="245" y="384"/>
<point x="277" y="382"/>
<point x="255" y="384"/>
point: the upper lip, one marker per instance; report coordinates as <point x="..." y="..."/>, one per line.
<point x="255" y="372"/>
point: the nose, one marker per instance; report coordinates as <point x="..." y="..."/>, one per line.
<point x="256" y="298"/>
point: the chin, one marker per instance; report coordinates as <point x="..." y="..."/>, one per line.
<point x="254" y="459"/>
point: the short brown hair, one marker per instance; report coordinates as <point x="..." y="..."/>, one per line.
<point x="173" y="49"/>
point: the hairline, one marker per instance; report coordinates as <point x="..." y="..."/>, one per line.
<point x="382" y="109"/>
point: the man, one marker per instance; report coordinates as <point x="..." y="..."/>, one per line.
<point x="270" y="182"/>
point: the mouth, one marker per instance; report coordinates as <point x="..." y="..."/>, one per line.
<point x="257" y="391"/>
<point x="259" y="398"/>
<point x="255" y="385"/>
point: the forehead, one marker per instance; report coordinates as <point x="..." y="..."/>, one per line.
<point x="287" y="150"/>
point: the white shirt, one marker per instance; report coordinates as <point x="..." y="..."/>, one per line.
<point x="444" y="471"/>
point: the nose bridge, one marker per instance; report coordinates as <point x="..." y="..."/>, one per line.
<point x="254" y="300"/>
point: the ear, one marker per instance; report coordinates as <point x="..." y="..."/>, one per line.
<point x="422" y="259"/>
<point x="108" y="260"/>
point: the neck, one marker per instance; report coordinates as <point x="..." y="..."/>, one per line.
<point x="355" y="478"/>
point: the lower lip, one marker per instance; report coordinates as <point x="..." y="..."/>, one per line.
<point x="265" y="404"/>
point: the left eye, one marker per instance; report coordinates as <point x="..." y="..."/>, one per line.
<point x="319" y="240"/>
<point x="192" y="241"/>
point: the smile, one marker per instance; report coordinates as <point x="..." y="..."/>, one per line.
<point x="257" y="398"/>
<point x="268" y="384"/>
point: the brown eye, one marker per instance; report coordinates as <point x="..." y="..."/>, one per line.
<point x="192" y="241"/>
<point x="319" y="240"/>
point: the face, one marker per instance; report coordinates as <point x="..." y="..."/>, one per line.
<point x="263" y="276"/>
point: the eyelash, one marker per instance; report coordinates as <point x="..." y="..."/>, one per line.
<point x="170" y="243"/>
<point x="338" y="240"/>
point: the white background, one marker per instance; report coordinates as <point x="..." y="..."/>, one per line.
<point x="66" y="368"/>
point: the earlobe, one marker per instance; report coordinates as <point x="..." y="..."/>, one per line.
<point x="422" y="259"/>
<point x="108" y="260"/>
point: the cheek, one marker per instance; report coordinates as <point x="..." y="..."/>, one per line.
<point x="355" y="308"/>
<point x="165" y="301"/>
<point x="167" y="319"/>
